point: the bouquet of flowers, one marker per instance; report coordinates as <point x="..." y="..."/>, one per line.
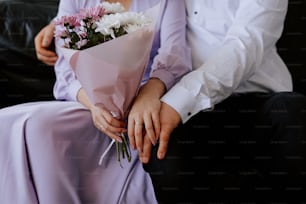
<point x="108" y="48"/>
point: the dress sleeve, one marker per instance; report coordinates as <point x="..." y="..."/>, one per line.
<point x="66" y="86"/>
<point x="173" y="58"/>
<point x="257" y="26"/>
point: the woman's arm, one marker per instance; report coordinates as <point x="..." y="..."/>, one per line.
<point x="102" y="118"/>
<point x="67" y="87"/>
<point x="173" y="57"/>
<point x="170" y="63"/>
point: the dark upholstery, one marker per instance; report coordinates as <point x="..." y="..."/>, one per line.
<point x="292" y="45"/>
<point x="22" y="77"/>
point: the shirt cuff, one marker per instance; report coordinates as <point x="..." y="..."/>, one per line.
<point x="185" y="103"/>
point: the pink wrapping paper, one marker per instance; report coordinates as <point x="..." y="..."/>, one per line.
<point x="111" y="72"/>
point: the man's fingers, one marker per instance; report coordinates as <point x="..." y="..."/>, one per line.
<point x="145" y="155"/>
<point x="47" y="40"/>
<point x="163" y="141"/>
<point x="48" y="35"/>
<point x="47" y="60"/>
<point x="47" y="53"/>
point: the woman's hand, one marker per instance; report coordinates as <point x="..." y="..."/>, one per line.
<point x="143" y="118"/>
<point x="169" y="120"/>
<point x="107" y="123"/>
<point x="102" y="118"/>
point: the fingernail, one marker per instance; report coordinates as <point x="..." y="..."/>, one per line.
<point x="145" y="160"/>
<point x="161" y="155"/>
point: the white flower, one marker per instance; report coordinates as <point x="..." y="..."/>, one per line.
<point x="130" y="21"/>
<point x="113" y="7"/>
<point x="77" y="32"/>
<point x="108" y="23"/>
<point x="131" y="28"/>
<point x="81" y="43"/>
<point x="132" y="18"/>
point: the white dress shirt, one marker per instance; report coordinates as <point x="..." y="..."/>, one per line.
<point x="233" y="46"/>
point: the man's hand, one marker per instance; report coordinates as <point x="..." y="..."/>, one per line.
<point x="42" y="43"/>
<point x="169" y="120"/>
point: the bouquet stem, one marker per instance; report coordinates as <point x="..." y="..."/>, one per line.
<point x="122" y="149"/>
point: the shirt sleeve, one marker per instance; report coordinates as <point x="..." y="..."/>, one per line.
<point x="66" y="86"/>
<point x="256" y="27"/>
<point x="173" y="58"/>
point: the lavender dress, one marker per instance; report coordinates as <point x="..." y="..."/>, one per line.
<point x="49" y="151"/>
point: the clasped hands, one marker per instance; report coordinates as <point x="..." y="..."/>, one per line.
<point x="150" y="122"/>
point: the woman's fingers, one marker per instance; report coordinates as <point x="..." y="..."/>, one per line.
<point x="150" y="128"/>
<point x="139" y="128"/>
<point x="131" y="135"/>
<point x="109" y="125"/>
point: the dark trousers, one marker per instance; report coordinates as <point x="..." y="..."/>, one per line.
<point x="249" y="149"/>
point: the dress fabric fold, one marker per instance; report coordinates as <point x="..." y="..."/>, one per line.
<point x="56" y="161"/>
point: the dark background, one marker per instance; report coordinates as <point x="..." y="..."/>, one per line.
<point x="22" y="77"/>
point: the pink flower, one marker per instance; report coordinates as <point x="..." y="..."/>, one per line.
<point x="95" y="25"/>
<point x="63" y="33"/>
<point x="71" y="21"/>
<point x="93" y="13"/>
